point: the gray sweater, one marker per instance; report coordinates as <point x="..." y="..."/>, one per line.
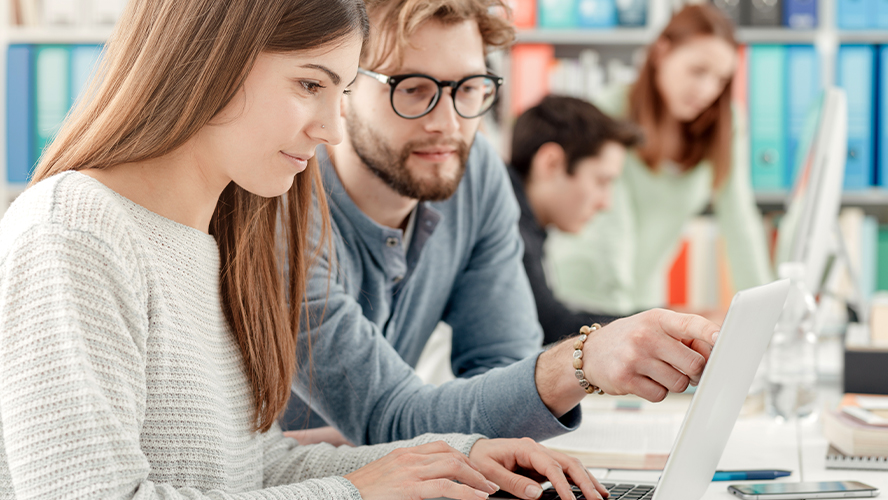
<point x="120" y="376"/>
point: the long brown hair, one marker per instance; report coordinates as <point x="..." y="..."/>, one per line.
<point x="709" y="135"/>
<point x="168" y="69"/>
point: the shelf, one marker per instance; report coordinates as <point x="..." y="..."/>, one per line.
<point x="603" y="36"/>
<point x="874" y="197"/>
<point x="775" y="35"/>
<point x="60" y="34"/>
<point x="864" y="36"/>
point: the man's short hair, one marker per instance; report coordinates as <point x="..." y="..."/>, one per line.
<point x="394" y="21"/>
<point x="576" y="125"/>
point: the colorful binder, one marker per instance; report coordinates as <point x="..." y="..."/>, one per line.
<point x="632" y="12"/>
<point x="800" y="14"/>
<point x="767" y="69"/>
<point x="523" y="13"/>
<point x="803" y="90"/>
<point x="53" y="93"/>
<point x="766" y="12"/>
<point x="733" y="9"/>
<point x="596" y="13"/>
<point x="854" y="14"/>
<point x="19" y="113"/>
<point x="84" y="62"/>
<point x="557" y="13"/>
<point x="882" y="145"/>
<point x="881" y="15"/>
<point x="856" y="74"/>
<point x="530" y="75"/>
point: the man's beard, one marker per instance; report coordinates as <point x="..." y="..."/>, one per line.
<point x="391" y="166"/>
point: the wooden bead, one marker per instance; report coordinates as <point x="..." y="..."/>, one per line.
<point x="578" y="345"/>
<point x="585" y="330"/>
<point x="578" y="364"/>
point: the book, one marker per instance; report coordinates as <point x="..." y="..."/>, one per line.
<point x="733" y="9"/>
<point x="835" y="459"/>
<point x="853" y="437"/>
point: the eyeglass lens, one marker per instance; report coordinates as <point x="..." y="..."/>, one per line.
<point x="416" y="95"/>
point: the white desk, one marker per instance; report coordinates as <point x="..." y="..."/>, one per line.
<point x="760" y="442"/>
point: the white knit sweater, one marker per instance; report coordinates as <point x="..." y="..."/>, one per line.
<point x="119" y="377"/>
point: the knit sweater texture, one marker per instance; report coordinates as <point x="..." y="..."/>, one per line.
<point x="121" y="377"/>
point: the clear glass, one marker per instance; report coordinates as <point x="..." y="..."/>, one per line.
<point x="792" y="354"/>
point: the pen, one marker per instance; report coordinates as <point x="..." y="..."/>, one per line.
<point x="745" y="475"/>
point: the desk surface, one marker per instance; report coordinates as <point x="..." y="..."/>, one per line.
<point x="760" y="442"/>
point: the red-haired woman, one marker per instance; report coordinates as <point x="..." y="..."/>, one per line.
<point x="695" y="153"/>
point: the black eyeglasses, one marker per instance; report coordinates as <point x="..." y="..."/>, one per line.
<point x="416" y="95"/>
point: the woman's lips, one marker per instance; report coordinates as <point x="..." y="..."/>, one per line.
<point x="301" y="163"/>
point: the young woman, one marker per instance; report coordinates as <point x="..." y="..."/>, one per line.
<point x="695" y="153"/>
<point x="147" y="329"/>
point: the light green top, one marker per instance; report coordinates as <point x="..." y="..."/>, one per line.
<point x="618" y="263"/>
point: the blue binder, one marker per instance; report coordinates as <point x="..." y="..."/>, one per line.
<point x="84" y="62"/>
<point x="855" y="66"/>
<point x="882" y="171"/>
<point x="800" y="14"/>
<point x="804" y="88"/>
<point x="19" y="113"/>
<point x="881" y="16"/>
<point x="596" y="13"/>
<point x="854" y="14"/>
<point x="632" y="12"/>
<point x="767" y="130"/>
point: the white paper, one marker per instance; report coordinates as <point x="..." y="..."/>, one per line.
<point x="627" y="432"/>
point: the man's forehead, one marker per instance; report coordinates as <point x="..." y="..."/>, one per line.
<point x="448" y="49"/>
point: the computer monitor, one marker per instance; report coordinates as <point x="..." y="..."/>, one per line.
<point x="808" y="232"/>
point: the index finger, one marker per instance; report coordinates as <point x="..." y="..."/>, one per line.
<point x="688" y="328"/>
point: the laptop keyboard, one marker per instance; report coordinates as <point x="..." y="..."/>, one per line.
<point x="617" y="492"/>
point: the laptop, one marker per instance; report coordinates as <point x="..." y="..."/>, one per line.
<point x="717" y="401"/>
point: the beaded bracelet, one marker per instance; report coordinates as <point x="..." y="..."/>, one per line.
<point x="578" y="360"/>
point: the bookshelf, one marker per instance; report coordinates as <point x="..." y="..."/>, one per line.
<point x="626" y="44"/>
<point x="11" y="34"/>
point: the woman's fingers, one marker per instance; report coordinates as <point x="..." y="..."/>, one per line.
<point x="446" y="488"/>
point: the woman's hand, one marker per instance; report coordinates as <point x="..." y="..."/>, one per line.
<point x="500" y="459"/>
<point x="427" y="471"/>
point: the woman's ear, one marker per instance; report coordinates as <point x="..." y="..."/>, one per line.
<point x="549" y="162"/>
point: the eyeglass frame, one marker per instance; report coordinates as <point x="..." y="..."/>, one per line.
<point x="393" y="81"/>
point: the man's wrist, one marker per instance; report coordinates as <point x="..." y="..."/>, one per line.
<point x="555" y="380"/>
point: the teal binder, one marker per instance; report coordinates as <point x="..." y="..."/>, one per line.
<point x="856" y="73"/>
<point x="557" y="13"/>
<point x="767" y="120"/>
<point x="52" y="65"/>
<point x="804" y="88"/>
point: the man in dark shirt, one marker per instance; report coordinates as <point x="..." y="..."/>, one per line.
<point x="565" y="156"/>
